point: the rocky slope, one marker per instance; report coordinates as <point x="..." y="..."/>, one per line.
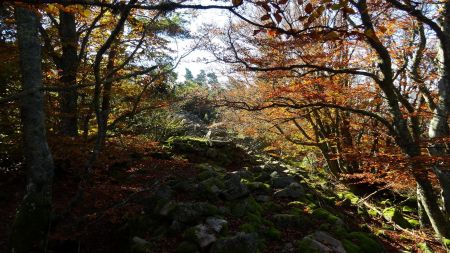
<point x="237" y="203"/>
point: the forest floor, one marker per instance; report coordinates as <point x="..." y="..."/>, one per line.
<point x="194" y="195"/>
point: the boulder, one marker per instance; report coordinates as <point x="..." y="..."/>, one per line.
<point x="233" y="188"/>
<point x="193" y="212"/>
<point x="281" y="180"/>
<point x="321" y="242"/>
<point x="240" y="243"/>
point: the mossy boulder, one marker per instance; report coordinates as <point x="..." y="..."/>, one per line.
<point x="290" y="220"/>
<point x="324" y="214"/>
<point x="365" y="242"/>
<point x="193" y="212"/>
<point x="245" y="206"/>
<point x="320" y="242"/>
<point x="240" y="243"/>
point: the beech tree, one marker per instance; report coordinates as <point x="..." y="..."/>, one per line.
<point x="290" y="24"/>
<point x="31" y="224"/>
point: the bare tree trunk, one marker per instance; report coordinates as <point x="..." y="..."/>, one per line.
<point x="69" y="67"/>
<point x="32" y="220"/>
<point x="430" y="205"/>
<point x="438" y="127"/>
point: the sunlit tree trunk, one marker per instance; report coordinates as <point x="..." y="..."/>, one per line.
<point x="438" y="127"/>
<point x="31" y="224"/>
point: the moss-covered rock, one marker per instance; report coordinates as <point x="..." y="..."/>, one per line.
<point x="350" y="247"/>
<point x="324" y="214"/>
<point x="242" y="207"/>
<point x="349" y="196"/>
<point x="394" y="214"/>
<point x="273" y="233"/>
<point x="187" y="247"/>
<point x="367" y="243"/>
<point x="240" y="243"/>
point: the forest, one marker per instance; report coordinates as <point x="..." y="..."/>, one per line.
<point x="312" y="126"/>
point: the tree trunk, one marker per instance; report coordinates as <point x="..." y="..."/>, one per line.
<point x="423" y="219"/>
<point x="69" y="67"/>
<point x="430" y="205"/>
<point x="32" y="220"/>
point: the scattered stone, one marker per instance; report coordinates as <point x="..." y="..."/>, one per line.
<point x="140" y="245"/>
<point x="245" y="206"/>
<point x="216" y="224"/>
<point x="193" y="212"/>
<point x="287" y="220"/>
<point x="240" y="243"/>
<point x="281" y="180"/>
<point x="233" y="188"/>
<point x="322" y="242"/>
<point x="262" y="198"/>
<point x="203" y="235"/>
<point x="288" y="247"/>
<point x="293" y="190"/>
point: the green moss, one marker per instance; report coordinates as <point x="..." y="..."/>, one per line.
<point x="187" y="247"/>
<point x="245" y="206"/>
<point x="372" y="212"/>
<point x="256" y="185"/>
<point x="350" y="247"/>
<point x="323" y="214"/>
<point x="273" y="233"/>
<point x="424" y="247"/>
<point x="365" y="242"/>
<point x="305" y="246"/>
<point x="394" y="214"/>
<point x="351" y="197"/>
<point x="249" y="227"/>
<point x="408" y="209"/>
<point x="446" y="243"/>
<point x="414" y="223"/>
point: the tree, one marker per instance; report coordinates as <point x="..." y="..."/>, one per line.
<point x="212" y="78"/>
<point x="188" y="75"/>
<point x="308" y="26"/>
<point x="200" y="79"/>
<point x="30" y="227"/>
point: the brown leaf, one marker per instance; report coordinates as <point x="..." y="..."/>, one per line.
<point x="309" y="8"/>
<point x="265" y="17"/>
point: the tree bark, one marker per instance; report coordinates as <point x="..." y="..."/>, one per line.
<point x="32" y="220"/>
<point x="69" y="66"/>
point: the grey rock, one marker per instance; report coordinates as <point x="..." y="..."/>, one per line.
<point x="288" y="247"/>
<point x="240" y="243"/>
<point x="262" y="198"/>
<point x="324" y="243"/>
<point x="293" y="190"/>
<point x="193" y="212"/>
<point x="204" y="236"/>
<point x="287" y="220"/>
<point x="281" y="182"/>
<point x="233" y="188"/>
<point x="216" y="224"/>
<point x="140" y="245"/>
